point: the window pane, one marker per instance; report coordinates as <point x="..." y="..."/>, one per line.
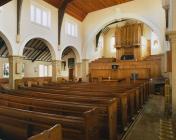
<point x="32" y="13"/>
<point x="49" y="19"/>
<point x="38" y="15"/>
<point x="45" y="71"/>
<point x="45" y="19"/>
<point x="6" y="70"/>
<point x="71" y="29"/>
<point x="41" y="71"/>
<point x="76" y="31"/>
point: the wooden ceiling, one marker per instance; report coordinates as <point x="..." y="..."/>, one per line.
<point x="37" y="50"/>
<point x="80" y="8"/>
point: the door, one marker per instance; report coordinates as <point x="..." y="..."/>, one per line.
<point x="71" y="74"/>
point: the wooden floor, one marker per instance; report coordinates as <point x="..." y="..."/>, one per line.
<point x="148" y="126"/>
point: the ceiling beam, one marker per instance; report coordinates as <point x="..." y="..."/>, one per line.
<point x="19" y="7"/>
<point x="61" y="17"/>
<point x="38" y="55"/>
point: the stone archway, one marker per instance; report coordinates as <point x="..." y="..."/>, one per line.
<point x="5" y="52"/>
<point x="37" y="61"/>
<point x="71" y="66"/>
<point x="101" y="24"/>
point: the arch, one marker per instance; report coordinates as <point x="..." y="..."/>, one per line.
<point x="8" y="44"/>
<point x="51" y="47"/>
<point x="78" y="59"/>
<point x="107" y="20"/>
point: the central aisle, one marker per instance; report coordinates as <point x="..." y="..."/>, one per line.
<point x="147" y="126"/>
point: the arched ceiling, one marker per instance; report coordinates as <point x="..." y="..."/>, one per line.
<point x="80" y="8"/>
<point x="3" y="49"/>
<point x="37" y="50"/>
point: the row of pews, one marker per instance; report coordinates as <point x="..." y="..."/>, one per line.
<point x="86" y="111"/>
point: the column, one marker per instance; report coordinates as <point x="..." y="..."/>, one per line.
<point x="56" y="69"/>
<point x="85" y="70"/>
<point x="15" y="70"/>
<point x="172" y="37"/>
<point x="78" y="70"/>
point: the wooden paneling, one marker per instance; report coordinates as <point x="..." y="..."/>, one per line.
<point x="145" y="69"/>
<point x="80" y="8"/>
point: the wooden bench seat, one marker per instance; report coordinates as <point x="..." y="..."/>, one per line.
<point x="107" y="107"/>
<point x="73" y="128"/>
<point x="54" y="133"/>
<point x="126" y="105"/>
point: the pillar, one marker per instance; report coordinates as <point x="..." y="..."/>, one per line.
<point x="85" y="70"/>
<point x="15" y="70"/>
<point x="78" y="70"/>
<point x="172" y="37"/>
<point x="56" y="69"/>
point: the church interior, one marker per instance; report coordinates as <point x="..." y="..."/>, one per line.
<point x="87" y="70"/>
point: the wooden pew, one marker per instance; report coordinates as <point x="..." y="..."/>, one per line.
<point x="135" y="101"/>
<point x="73" y="128"/>
<point x="126" y="105"/>
<point x="16" y="129"/>
<point x="107" y="108"/>
<point x="54" y="133"/>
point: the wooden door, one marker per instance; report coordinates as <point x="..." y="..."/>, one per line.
<point x="71" y="74"/>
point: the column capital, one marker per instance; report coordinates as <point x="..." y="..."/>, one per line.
<point x="56" y="61"/>
<point x="15" y="56"/>
<point x="85" y="59"/>
<point x="78" y="62"/>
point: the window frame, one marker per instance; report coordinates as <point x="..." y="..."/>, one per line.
<point x="33" y="15"/>
<point x="8" y="70"/>
<point x="71" y="29"/>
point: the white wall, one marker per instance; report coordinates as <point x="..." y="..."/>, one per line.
<point x="67" y="40"/>
<point x="8" y="25"/>
<point x="148" y="11"/>
<point x="31" y="69"/>
<point x="108" y="53"/>
<point x="31" y="30"/>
